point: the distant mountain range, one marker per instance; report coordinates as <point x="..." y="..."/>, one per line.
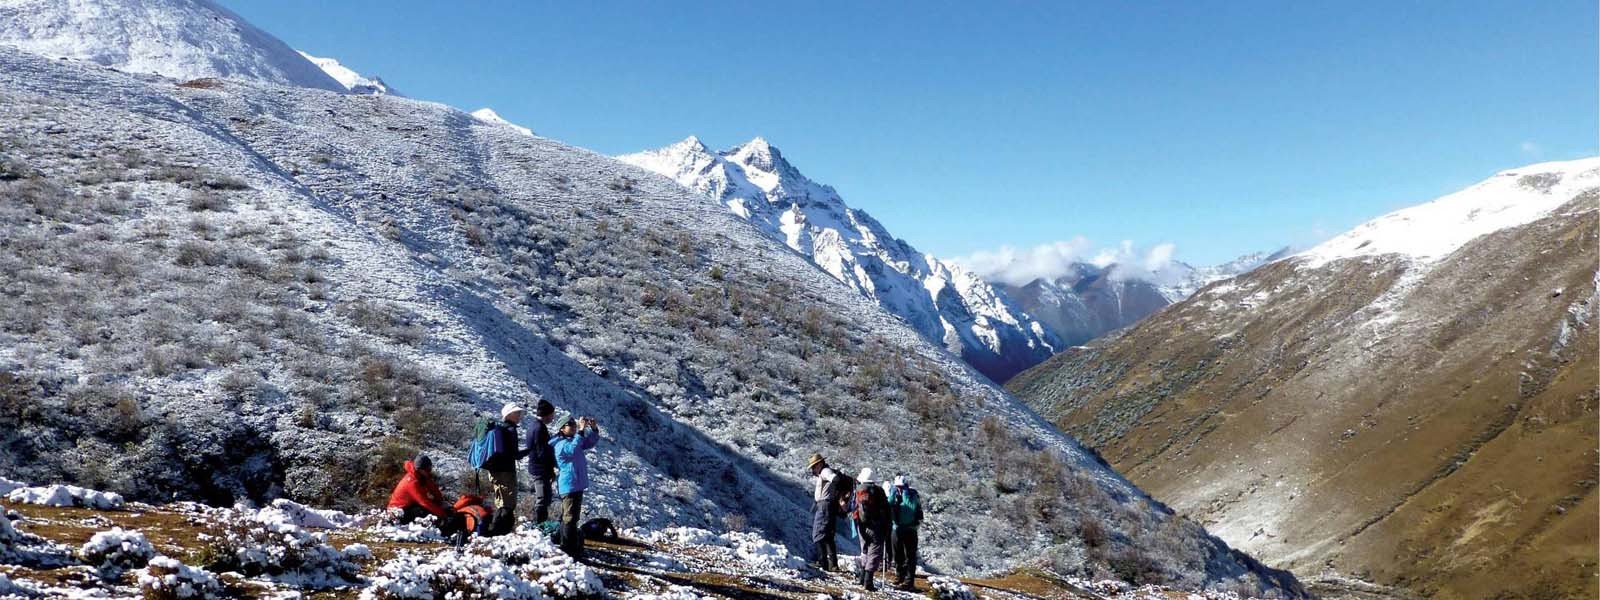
<point x="943" y="301"/>
<point x="1091" y="300"/>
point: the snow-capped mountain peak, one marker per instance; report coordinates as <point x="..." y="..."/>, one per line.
<point x="181" y="39"/>
<point x="1428" y="232"/>
<point x="944" y="302"/>
<point x="355" y="82"/>
<point x="488" y="115"/>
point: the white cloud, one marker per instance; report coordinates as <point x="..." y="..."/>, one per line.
<point x="1015" y="266"/>
<point x="1530" y="148"/>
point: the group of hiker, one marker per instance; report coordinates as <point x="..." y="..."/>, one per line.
<point x="558" y="464"/>
<point x="884" y="518"/>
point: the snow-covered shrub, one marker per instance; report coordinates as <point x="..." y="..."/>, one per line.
<point x="676" y="592"/>
<point x="11" y="588"/>
<point x="756" y="551"/>
<point x="949" y="588"/>
<point x="168" y="579"/>
<point x="448" y="574"/>
<point x="425" y="529"/>
<point x="281" y="551"/>
<point x="536" y="559"/>
<point x="66" y="495"/>
<point x="685" y="536"/>
<point x="115" y="550"/>
<point x="6" y="485"/>
<point x="8" y="534"/>
<point x="288" y="511"/>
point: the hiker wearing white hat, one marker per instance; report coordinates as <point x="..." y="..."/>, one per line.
<point x="871" y="518"/>
<point x="502" y="467"/>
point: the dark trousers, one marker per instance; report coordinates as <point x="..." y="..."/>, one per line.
<point x="823" y="530"/>
<point x="905" y="554"/>
<point x="544" y="488"/>
<point x="571" y="535"/>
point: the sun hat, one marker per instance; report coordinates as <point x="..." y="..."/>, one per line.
<point x="509" y="409"/>
<point x="815" y="458"/>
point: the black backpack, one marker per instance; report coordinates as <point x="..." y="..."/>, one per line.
<point x="841" y="488"/>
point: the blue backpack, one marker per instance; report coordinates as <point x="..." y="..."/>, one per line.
<point x="485" y="443"/>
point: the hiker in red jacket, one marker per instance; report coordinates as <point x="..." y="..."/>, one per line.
<point x="418" y="493"/>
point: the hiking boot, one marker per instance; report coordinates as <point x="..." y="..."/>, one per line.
<point x="866" y="581"/>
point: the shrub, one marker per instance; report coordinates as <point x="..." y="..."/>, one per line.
<point x="115" y="550"/>
<point x="168" y="579"/>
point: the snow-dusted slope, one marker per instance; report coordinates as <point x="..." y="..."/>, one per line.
<point x="355" y="82"/>
<point x="249" y="290"/>
<point x="180" y="39"/>
<point x="1412" y="402"/>
<point x="941" y="300"/>
<point x="488" y="115"/>
<point x="1429" y="232"/>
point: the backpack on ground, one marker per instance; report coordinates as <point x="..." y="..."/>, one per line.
<point x="906" y="504"/>
<point x="599" y="528"/>
<point x="485" y="443"/>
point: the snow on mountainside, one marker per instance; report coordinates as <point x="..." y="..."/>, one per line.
<point x="244" y="290"/>
<point x="355" y="82"/>
<point x="488" y="115"/>
<point x="1429" y="232"/>
<point x="1427" y="380"/>
<point x="180" y="39"/>
<point x="941" y="300"/>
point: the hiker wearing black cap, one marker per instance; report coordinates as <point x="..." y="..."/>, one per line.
<point x="542" y="460"/>
<point x="824" y="511"/>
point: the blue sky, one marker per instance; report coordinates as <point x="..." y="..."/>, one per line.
<point x="1222" y="127"/>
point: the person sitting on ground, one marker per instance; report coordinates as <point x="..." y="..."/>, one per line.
<point x="471" y="517"/>
<point x="871" y="517"/>
<point x="905" y="512"/>
<point x="573" y="438"/>
<point x="418" y="493"/>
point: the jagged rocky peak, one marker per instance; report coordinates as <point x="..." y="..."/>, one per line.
<point x="943" y="302"/>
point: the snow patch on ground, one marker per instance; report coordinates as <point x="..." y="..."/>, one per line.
<point x="67" y="496"/>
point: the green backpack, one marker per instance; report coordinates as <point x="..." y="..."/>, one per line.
<point x="905" y="506"/>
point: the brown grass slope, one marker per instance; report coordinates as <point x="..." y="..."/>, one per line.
<point x="1441" y="439"/>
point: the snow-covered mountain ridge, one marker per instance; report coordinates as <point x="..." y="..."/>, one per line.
<point x="1411" y="402"/>
<point x="943" y="301"/>
<point x="180" y="39"/>
<point x="1429" y="232"/>
<point x="355" y="82"/>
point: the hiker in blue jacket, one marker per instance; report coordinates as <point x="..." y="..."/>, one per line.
<point x="542" y="460"/>
<point x="573" y="438"/>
